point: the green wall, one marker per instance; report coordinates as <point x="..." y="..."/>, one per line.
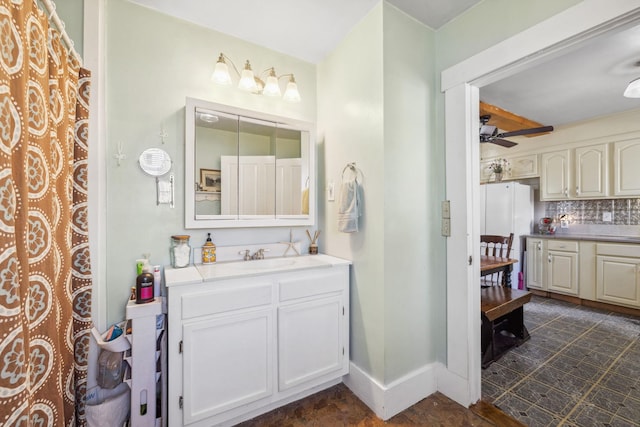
<point x="153" y="63"/>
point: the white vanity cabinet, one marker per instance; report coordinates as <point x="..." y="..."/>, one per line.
<point x="618" y="274"/>
<point x="562" y="266"/>
<point x="241" y="346"/>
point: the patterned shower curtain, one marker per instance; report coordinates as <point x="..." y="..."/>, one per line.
<point x="45" y="277"/>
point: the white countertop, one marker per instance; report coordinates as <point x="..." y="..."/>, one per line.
<point x="199" y="273"/>
<point x="589" y="237"/>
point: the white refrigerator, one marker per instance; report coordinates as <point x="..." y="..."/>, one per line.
<point x="507" y="207"/>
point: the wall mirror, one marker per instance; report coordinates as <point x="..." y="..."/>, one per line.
<point x="246" y="169"/>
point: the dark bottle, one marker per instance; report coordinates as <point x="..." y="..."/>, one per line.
<point x="144" y="287"/>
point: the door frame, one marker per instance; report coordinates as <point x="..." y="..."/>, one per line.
<point x="460" y="83"/>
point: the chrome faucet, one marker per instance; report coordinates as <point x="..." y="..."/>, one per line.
<point x="259" y="254"/>
<point x="246" y="252"/>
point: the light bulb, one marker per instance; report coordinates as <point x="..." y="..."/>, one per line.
<point x="272" y="88"/>
<point x="247" y="79"/>
<point x="221" y="72"/>
<point x="291" y="94"/>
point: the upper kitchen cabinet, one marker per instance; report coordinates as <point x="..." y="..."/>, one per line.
<point x="626" y="177"/>
<point x="592" y="171"/>
<point x="580" y="173"/>
<point x="246" y="169"/>
<point x="554" y="175"/>
<point x="520" y="167"/>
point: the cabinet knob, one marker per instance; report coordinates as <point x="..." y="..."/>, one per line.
<point x="577" y="190"/>
<point x="549" y="258"/>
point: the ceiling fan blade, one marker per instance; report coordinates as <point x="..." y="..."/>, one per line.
<point x="503" y="142"/>
<point x="531" y="131"/>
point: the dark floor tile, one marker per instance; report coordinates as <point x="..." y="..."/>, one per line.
<point x="589" y="415"/>
<point x="526" y="412"/>
<point x="501" y="376"/>
<point x="542" y="338"/>
<point x="546" y="397"/>
<point x="519" y="363"/>
<point x="491" y="391"/>
<point x="534" y="352"/>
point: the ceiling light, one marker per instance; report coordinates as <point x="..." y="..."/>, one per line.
<point x="633" y="89"/>
<point x="249" y="82"/>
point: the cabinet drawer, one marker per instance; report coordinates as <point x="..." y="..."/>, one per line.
<point x="618" y="250"/>
<point x="219" y="301"/>
<point x="562" y="245"/>
<point x="322" y="283"/>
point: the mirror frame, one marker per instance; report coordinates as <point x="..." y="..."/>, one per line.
<point x="189" y="169"/>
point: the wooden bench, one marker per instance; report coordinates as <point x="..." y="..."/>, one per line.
<point x="502" y="321"/>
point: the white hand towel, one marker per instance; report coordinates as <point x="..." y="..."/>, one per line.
<point x="349" y="207"/>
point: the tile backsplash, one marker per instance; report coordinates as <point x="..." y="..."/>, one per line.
<point x="594" y="212"/>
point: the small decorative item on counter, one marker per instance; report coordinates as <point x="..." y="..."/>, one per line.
<point x="545" y="226"/>
<point x="208" y="251"/>
<point x="313" y="247"/>
<point x="144" y="287"/>
<point x="157" y="278"/>
<point x="180" y="251"/>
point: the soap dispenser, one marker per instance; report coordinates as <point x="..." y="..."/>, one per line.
<point x="208" y="251"/>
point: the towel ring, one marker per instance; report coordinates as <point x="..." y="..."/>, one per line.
<point x="352" y="167"/>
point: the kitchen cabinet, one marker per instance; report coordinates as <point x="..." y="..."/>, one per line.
<point x="520" y="167"/>
<point x="536" y="248"/>
<point x="580" y="173"/>
<point x="618" y="274"/>
<point x="592" y="171"/>
<point x="555" y="175"/>
<point x="626" y="157"/>
<point x="562" y="266"/>
<point x="241" y="346"/>
<point x="523" y="166"/>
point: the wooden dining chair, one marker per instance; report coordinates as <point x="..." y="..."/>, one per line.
<point x="494" y="245"/>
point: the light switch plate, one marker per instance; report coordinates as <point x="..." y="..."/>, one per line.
<point x="606" y="216"/>
<point x="331" y="191"/>
<point x="446" y="209"/>
<point x="446" y="227"/>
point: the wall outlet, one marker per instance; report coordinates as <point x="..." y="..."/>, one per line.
<point x="606" y="216"/>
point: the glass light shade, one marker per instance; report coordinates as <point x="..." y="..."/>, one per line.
<point x="221" y="73"/>
<point x="633" y="89"/>
<point x="291" y="94"/>
<point x="247" y="79"/>
<point x="271" y="88"/>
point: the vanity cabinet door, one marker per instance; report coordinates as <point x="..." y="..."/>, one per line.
<point x="227" y="363"/>
<point x="310" y="340"/>
<point x="535" y="264"/>
<point x="618" y="280"/>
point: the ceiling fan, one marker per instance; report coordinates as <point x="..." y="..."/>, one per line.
<point x="490" y="133"/>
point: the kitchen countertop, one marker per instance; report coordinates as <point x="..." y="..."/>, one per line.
<point x="589" y="237"/>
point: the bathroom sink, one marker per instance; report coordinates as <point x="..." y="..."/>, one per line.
<point x="263" y="264"/>
<point x="259" y="266"/>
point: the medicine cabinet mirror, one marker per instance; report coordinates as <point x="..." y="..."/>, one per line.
<point x="246" y="169"/>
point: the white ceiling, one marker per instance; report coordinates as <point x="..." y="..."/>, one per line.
<point x="584" y="83"/>
<point x="305" y="29"/>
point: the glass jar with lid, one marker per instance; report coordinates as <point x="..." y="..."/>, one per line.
<point x="180" y="251"/>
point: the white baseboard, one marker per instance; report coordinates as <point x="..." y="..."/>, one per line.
<point x="387" y="401"/>
<point x="453" y="386"/>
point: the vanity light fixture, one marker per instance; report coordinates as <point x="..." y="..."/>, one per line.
<point x="251" y="83"/>
<point x="633" y="89"/>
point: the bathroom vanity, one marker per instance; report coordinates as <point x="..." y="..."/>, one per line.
<point x="249" y="336"/>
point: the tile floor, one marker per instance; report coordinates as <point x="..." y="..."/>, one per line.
<point x="581" y="367"/>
